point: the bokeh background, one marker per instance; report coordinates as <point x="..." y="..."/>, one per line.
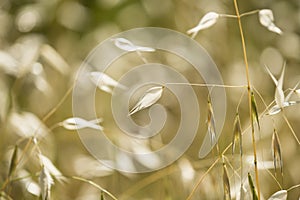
<point x="43" y="43"/>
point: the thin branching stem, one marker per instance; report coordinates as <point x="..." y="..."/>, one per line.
<point x="202" y="177"/>
<point x="208" y="85"/>
<point x="293" y="187"/>
<point x="30" y="140"/>
<point x="62" y="100"/>
<point x="249" y="94"/>
<point x="241" y="15"/>
<point x="290" y="127"/>
<point x="147" y="181"/>
<point x="228" y="16"/>
<point x="223" y="153"/>
<point x="249" y="13"/>
<point x="95" y="185"/>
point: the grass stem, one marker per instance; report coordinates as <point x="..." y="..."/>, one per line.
<point x="249" y="94"/>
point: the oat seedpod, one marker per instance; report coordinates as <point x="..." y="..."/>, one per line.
<point x="211" y="126"/>
<point x="237" y="134"/>
<point x="207" y="21"/>
<point x="45" y="182"/>
<point x="266" y="19"/>
<point x="226" y="183"/>
<point x="76" y="123"/>
<point x="150" y="97"/>
<point x="279" y="195"/>
<point x="105" y="82"/>
<point x="280" y="99"/>
<point x="127" y="45"/>
<point x="279" y="94"/>
<point x="252" y="187"/>
<point x="254" y="109"/>
<point x="276" y="151"/>
<point x="13" y="161"/>
<point x="50" y="167"/>
<point x="211" y="131"/>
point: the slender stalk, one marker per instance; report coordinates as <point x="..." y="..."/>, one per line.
<point x="290" y="127"/>
<point x="95" y="185"/>
<point x="228" y="16"/>
<point x="200" y="180"/>
<point x="147" y="181"/>
<point x="249" y="13"/>
<point x="223" y="153"/>
<point x="208" y="85"/>
<point x="30" y="140"/>
<point x="249" y="95"/>
<point x="54" y="109"/>
<point x="293" y="187"/>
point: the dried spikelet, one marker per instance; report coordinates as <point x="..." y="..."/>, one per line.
<point x="211" y="126"/>
<point x="150" y="97"/>
<point x="54" y="59"/>
<point x="279" y="195"/>
<point x="276" y="151"/>
<point x="252" y="187"/>
<point x="31" y="186"/>
<point x="266" y="18"/>
<point x="51" y="169"/>
<point x="237" y="134"/>
<point x="254" y="109"/>
<point x="127" y="45"/>
<point x="13" y="162"/>
<point x="226" y="184"/>
<point x="280" y="99"/>
<point x="76" y="123"/>
<point x="208" y="20"/>
<point x="105" y="82"/>
<point x="279" y="94"/>
<point x="45" y="182"/>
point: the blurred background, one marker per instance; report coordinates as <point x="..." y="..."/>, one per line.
<point x="42" y="45"/>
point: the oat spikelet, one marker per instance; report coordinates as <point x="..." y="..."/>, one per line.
<point x="211" y="126"/>
<point x="150" y="97"/>
<point x="237" y="134"/>
<point x="276" y="151"/>
<point x="45" y="182"/>
<point x="13" y="162"/>
<point x="254" y="109"/>
<point x="226" y="183"/>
